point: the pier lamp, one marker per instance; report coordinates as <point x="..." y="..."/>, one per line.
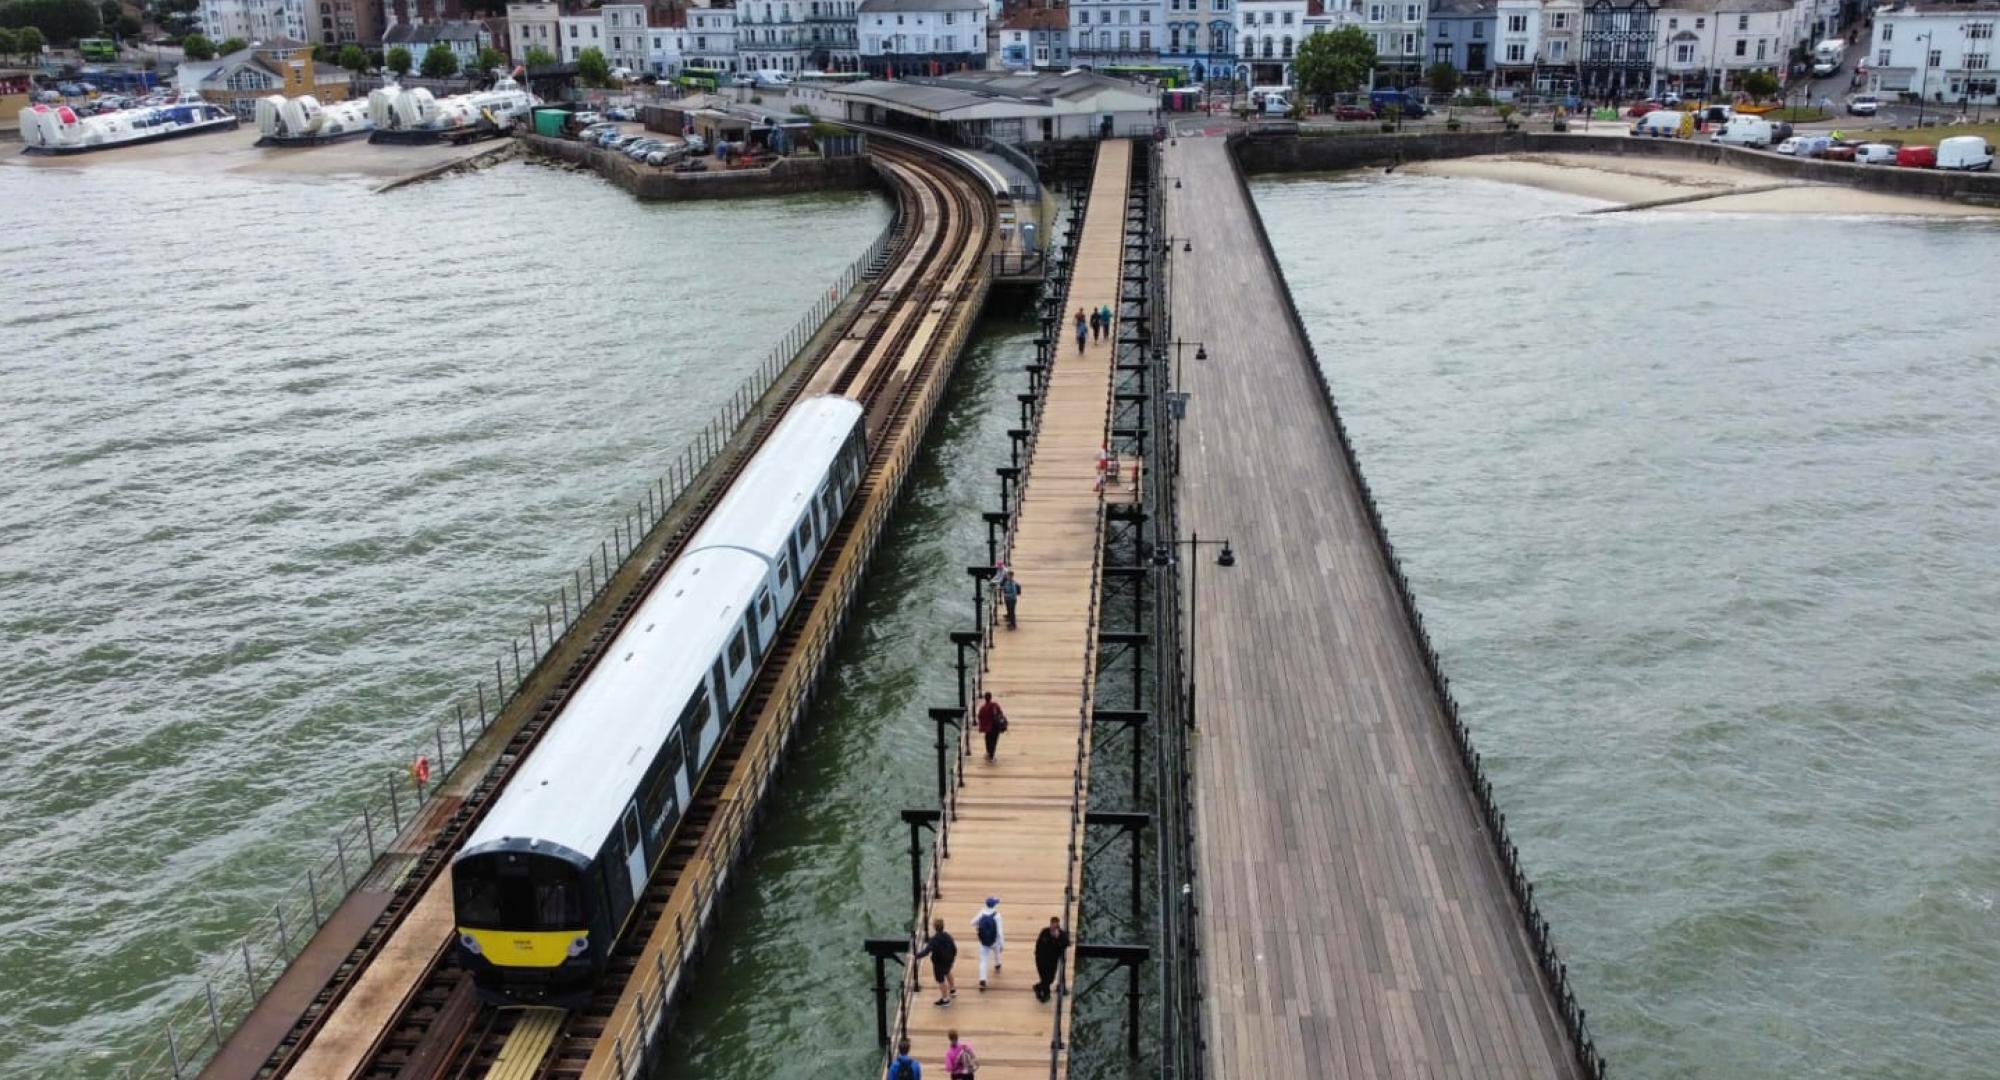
<point x="1163" y="557"/>
<point x="1187" y="244"/>
<point x="1175" y="179"/>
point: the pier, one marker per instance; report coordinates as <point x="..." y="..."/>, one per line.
<point x="1356" y="917"/>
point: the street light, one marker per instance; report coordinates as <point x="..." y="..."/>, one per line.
<point x="1187" y="244"/>
<point x="1923" y="75"/>
<point x="1163" y="556"/>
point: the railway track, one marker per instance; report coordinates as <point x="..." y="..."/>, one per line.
<point x="889" y="347"/>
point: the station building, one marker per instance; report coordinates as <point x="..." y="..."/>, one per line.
<point x="1009" y="106"/>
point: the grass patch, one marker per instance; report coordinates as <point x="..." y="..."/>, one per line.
<point x="1931" y="136"/>
<point x="1801" y="116"/>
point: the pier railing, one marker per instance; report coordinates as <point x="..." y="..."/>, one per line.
<point x="1540" y="935"/>
<point x="197" y="1026"/>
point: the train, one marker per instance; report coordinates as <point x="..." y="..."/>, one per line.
<point x="544" y="887"/>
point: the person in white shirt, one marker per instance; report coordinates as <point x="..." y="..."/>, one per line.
<point x="992" y="937"/>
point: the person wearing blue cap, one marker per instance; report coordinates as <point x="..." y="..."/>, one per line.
<point x="991" y="935"/>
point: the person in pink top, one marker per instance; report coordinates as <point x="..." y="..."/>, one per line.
<point x="959" y="1060"/>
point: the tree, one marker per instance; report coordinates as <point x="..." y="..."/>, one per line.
<point x="29" y="41"/>
<point x="230" y="45"/>
<point x="399" y="60"/>
<point x="592" y="69"/>
<point x="538" y="57"/>
<point x="128" y="26"/>
<point x="1335" y="63"/>
<point x="57" y="20"/>
<point x="352" y="58"/>
<point x="197" y="47"/>
<point x="108" y="11"/>
<point x="1442" y="77"/>
<point x="439" y="61"/>
<point x="1760" y="85"/>
<point x="9" y="44"/>
<point x="489" y="59"/>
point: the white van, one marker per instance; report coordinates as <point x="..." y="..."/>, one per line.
<point x="1875" y="153"/>
<point x="771" y="77"/>
<point x="1968" y="153"/>
<point x="1665" y="124"/>
<point x="1744" y="130"/>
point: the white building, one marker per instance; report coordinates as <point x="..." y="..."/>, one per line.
<point x="1268" y="33"/>
<point x="1107" y="32"/>
<point x="1706" y="46"/>
<point x="533" y="26"/>
<point x="708" y="40"/>
<point x="1941" y="51"/>
<point x="1200" y="35"/>
<point x="1518" y="52"/>
<point x="797" y="35"/>
<point x="1398" y="29"/>
<point x="580" y="32"/>
<point x="1010" y="106"/>
<point x="625" y="37"/>
<point x="463" y="39"/>
<point x="253" y="20"/>
<point x="922" y="37"/>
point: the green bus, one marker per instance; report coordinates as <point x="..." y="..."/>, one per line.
<point x="1164" y="75"/>
<point x="97" y="48"/>
<point x="698" y="78"/>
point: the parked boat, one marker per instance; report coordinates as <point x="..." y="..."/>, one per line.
<point x="303" y="121"/>
<point x="59" y="129"/>
<point x="413" y="114"/>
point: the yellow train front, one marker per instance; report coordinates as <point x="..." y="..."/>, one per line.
<point x="530" y="928"/>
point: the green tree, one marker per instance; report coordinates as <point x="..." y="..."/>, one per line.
<point x="129" y="27"/>
<point x="592" y="69"/>
<point x="399" y="60"/>
<point x="108" y="11"/>
<point x="230" y="45"/>
<point x="352" y="58"/>
<point x="9" y="44"/>
<point x="1760" y="85"/>
<point x="1334" y="63"/>
<point x="538" y="57"/>
<point x="1442" y="78"/>
<point x="29" y="41"/>
<point x="439" y="61"/>
<point x="197" y="47"/>
<point x="489" y="60"/>
<point x="58" y="20"/>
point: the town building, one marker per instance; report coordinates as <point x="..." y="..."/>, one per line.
<point x="922" y="37"/>
<point x="1562" y="37"/>
<point x="533" y="25"/>
<point x="797" y="35"/>
<point x="1268" y="33"/>
<point x="1033" y="34"/>
<point x="1517" y="56"/>
<point x="1942" y="52"/>
<point x="584" y="30"/>
<point x="1201" y="37"/>
<point x="464" y="39"/>
<point x="1618" y="47"/>
<point x="1398" y="29"/>
<point x="1008" y="106"/>
<point x="1462" y="34"/>
<point x="284" y="66"/>
<point x="349" y="22"/>
<point x="1110" y="33"/>
<point x="253" y="20"/>
<point x="708" y="41"/>
<point x="1708" y="46"/>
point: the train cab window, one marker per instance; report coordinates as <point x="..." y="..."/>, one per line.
<point x="737" y="650"/>
<point x="517" y="892"/>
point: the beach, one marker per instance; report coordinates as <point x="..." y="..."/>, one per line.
<point x="236" y="153"/>
<point x="1718" y="188"/>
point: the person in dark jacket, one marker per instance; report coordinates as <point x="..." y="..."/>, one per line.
<point x="943" y="951"/>
<point x="991" y="721"/>
<point x="1050" y="945"/>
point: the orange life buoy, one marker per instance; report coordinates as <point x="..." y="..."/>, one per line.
<point x="421" y="770"/>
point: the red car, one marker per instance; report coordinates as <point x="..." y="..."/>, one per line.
<point x="1840" y="151"/>
<point x="1353" y="112"/>
<point x="1642" y="109"/>
<point x="1917" y="157"/>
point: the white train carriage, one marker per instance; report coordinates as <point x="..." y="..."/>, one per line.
<point x="544" y="886"/>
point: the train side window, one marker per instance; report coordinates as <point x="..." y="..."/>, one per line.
<point x="631" y="829"/>
<point x="784" y="569"/>
<point x="661" y="792"/>
<point x="829" y="499"/>
<point x="806" y="532"/>
<point x="764" y="602"/>
<point x="736" y="652"/>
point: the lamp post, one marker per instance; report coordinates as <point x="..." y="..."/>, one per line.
<point x="1163" y="556"/>
<point x="1923" y="75"/>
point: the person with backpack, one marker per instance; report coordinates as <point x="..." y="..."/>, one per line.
<point x="903" y="1066"/>
<point x="991" y="721"/>
<point x="1010" y="594"/>
<point x="959" y="1060"/>
<point x="992" y="937"/>
<point x="943" y="951"/>
<point x="1050" y="945"/>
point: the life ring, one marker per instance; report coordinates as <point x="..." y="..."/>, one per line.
<point x="420" y="770"/>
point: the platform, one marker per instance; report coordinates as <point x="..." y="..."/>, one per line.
<point x="1355" y="920"/>
<point x="1011" y="836"/>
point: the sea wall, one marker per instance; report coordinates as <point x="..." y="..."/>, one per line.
<point x="787" y="176"/>
<point x="1311" y="153"/>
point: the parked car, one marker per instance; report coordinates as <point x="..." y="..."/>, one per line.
<point x="620" y="112"/>
<point x="1780" y="131"/>
<point x="1917" y="157"/>
<point x="666" y="155"/>
<point x="70" y="89"/>
<point x="697" y="145"/>
<point x="1789" y="147"/>
<point x="1966" y="153"/>
<point x="1743" y="131"/>
<point x="622" y="141"/>
<point x="1875" y="153"/>
<point x="1665" y="124"/>
<point x="638" y="150"/>
<point x="1812" y="146"/>
<point x="1841" y="150"/>
<point x="1353" y="112"/>
<point x="1717" y="114"/>
<point x="1642" y="108"/>
<point x="1864" y="105"/>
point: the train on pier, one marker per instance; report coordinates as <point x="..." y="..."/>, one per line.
<point x="544" y="887"/>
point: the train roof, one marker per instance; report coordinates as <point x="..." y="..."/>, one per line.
<point x="772" y="491"/>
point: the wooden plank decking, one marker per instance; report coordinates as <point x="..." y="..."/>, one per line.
<point x="1011" y="836"/>
<point x="1355" y="921"/>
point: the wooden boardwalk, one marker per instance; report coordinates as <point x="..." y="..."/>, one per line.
<point x="1011" y="837"/>
<point x="1355" y="920"/>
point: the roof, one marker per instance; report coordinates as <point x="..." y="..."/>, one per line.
<point x="428" y="33"/>
<point x="221" y="68"/>
<point x="878" y="7"/>
<point x="982" y="95"/>
<point x="1036" y="17"/>
<point x="1462" y="9"/>
<point x="1973" y="7"/>
<point x="1727" y="7"/>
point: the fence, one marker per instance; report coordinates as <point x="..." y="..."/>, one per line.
<point x="1540" y="935"/>
<point x="198" y="1026"/>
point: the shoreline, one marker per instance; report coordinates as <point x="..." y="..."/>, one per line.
<point x="235" y="153"/>
<point x="1705" y="187"/>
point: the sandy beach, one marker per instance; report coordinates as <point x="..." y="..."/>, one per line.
<point x="1623" y="181"/>
<point x="236" y="153"/>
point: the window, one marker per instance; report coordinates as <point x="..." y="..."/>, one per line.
<point x="1888" y="33"/>
<point x="1976" y="61"/>
<point x="1559" y="21"/>
<point x="1444" y="30"/>
<point x="1760" y="48"/>
<point x="1684" y="53"/>
<point x="1936" y="58"/>
<point x="1146" y="16"/>
<point x="1124" y="39"/>
<point x="950" y="17"/>
<point x="1882" y="58"/>
<point x="1742" y="22"/>
<point x="1145" y="40"/>
<point x="1374" y="13"/>
<point x="737" y="651"/>
<point x="1979" y="31"/>
<point x="1287" y="49"/>
<point x="1269" y="18"/>
<point x="1409" y="44"/>
<point x="1478" y="30"/>
<point x="1742" y="47"/>
<point x="1517" y="52"/>
<point x="1517" y="24"/>
<point x="1673" y="24"/>
<point x="1698" y="24"/>
<point x="1287" y="18"/>
<point x="1558" y="51"/>
<point x="1413" y="13"/>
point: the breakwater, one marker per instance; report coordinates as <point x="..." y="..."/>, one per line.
<point x="787" y="176"/>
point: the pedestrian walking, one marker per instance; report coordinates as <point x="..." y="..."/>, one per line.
<point x="992" y="721"/>
<point x="1050" y="945"/>
<point x="1082" y="332"/>
<point x="1096" y="325"/>
<point x="1010" y="593"/>
<point x="903" y="1066"/>
<point x="992" y="937"/>
<point x="1104" y="316"/>
<point x="943" y="951"/>
<point x="959" y="1060"/>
